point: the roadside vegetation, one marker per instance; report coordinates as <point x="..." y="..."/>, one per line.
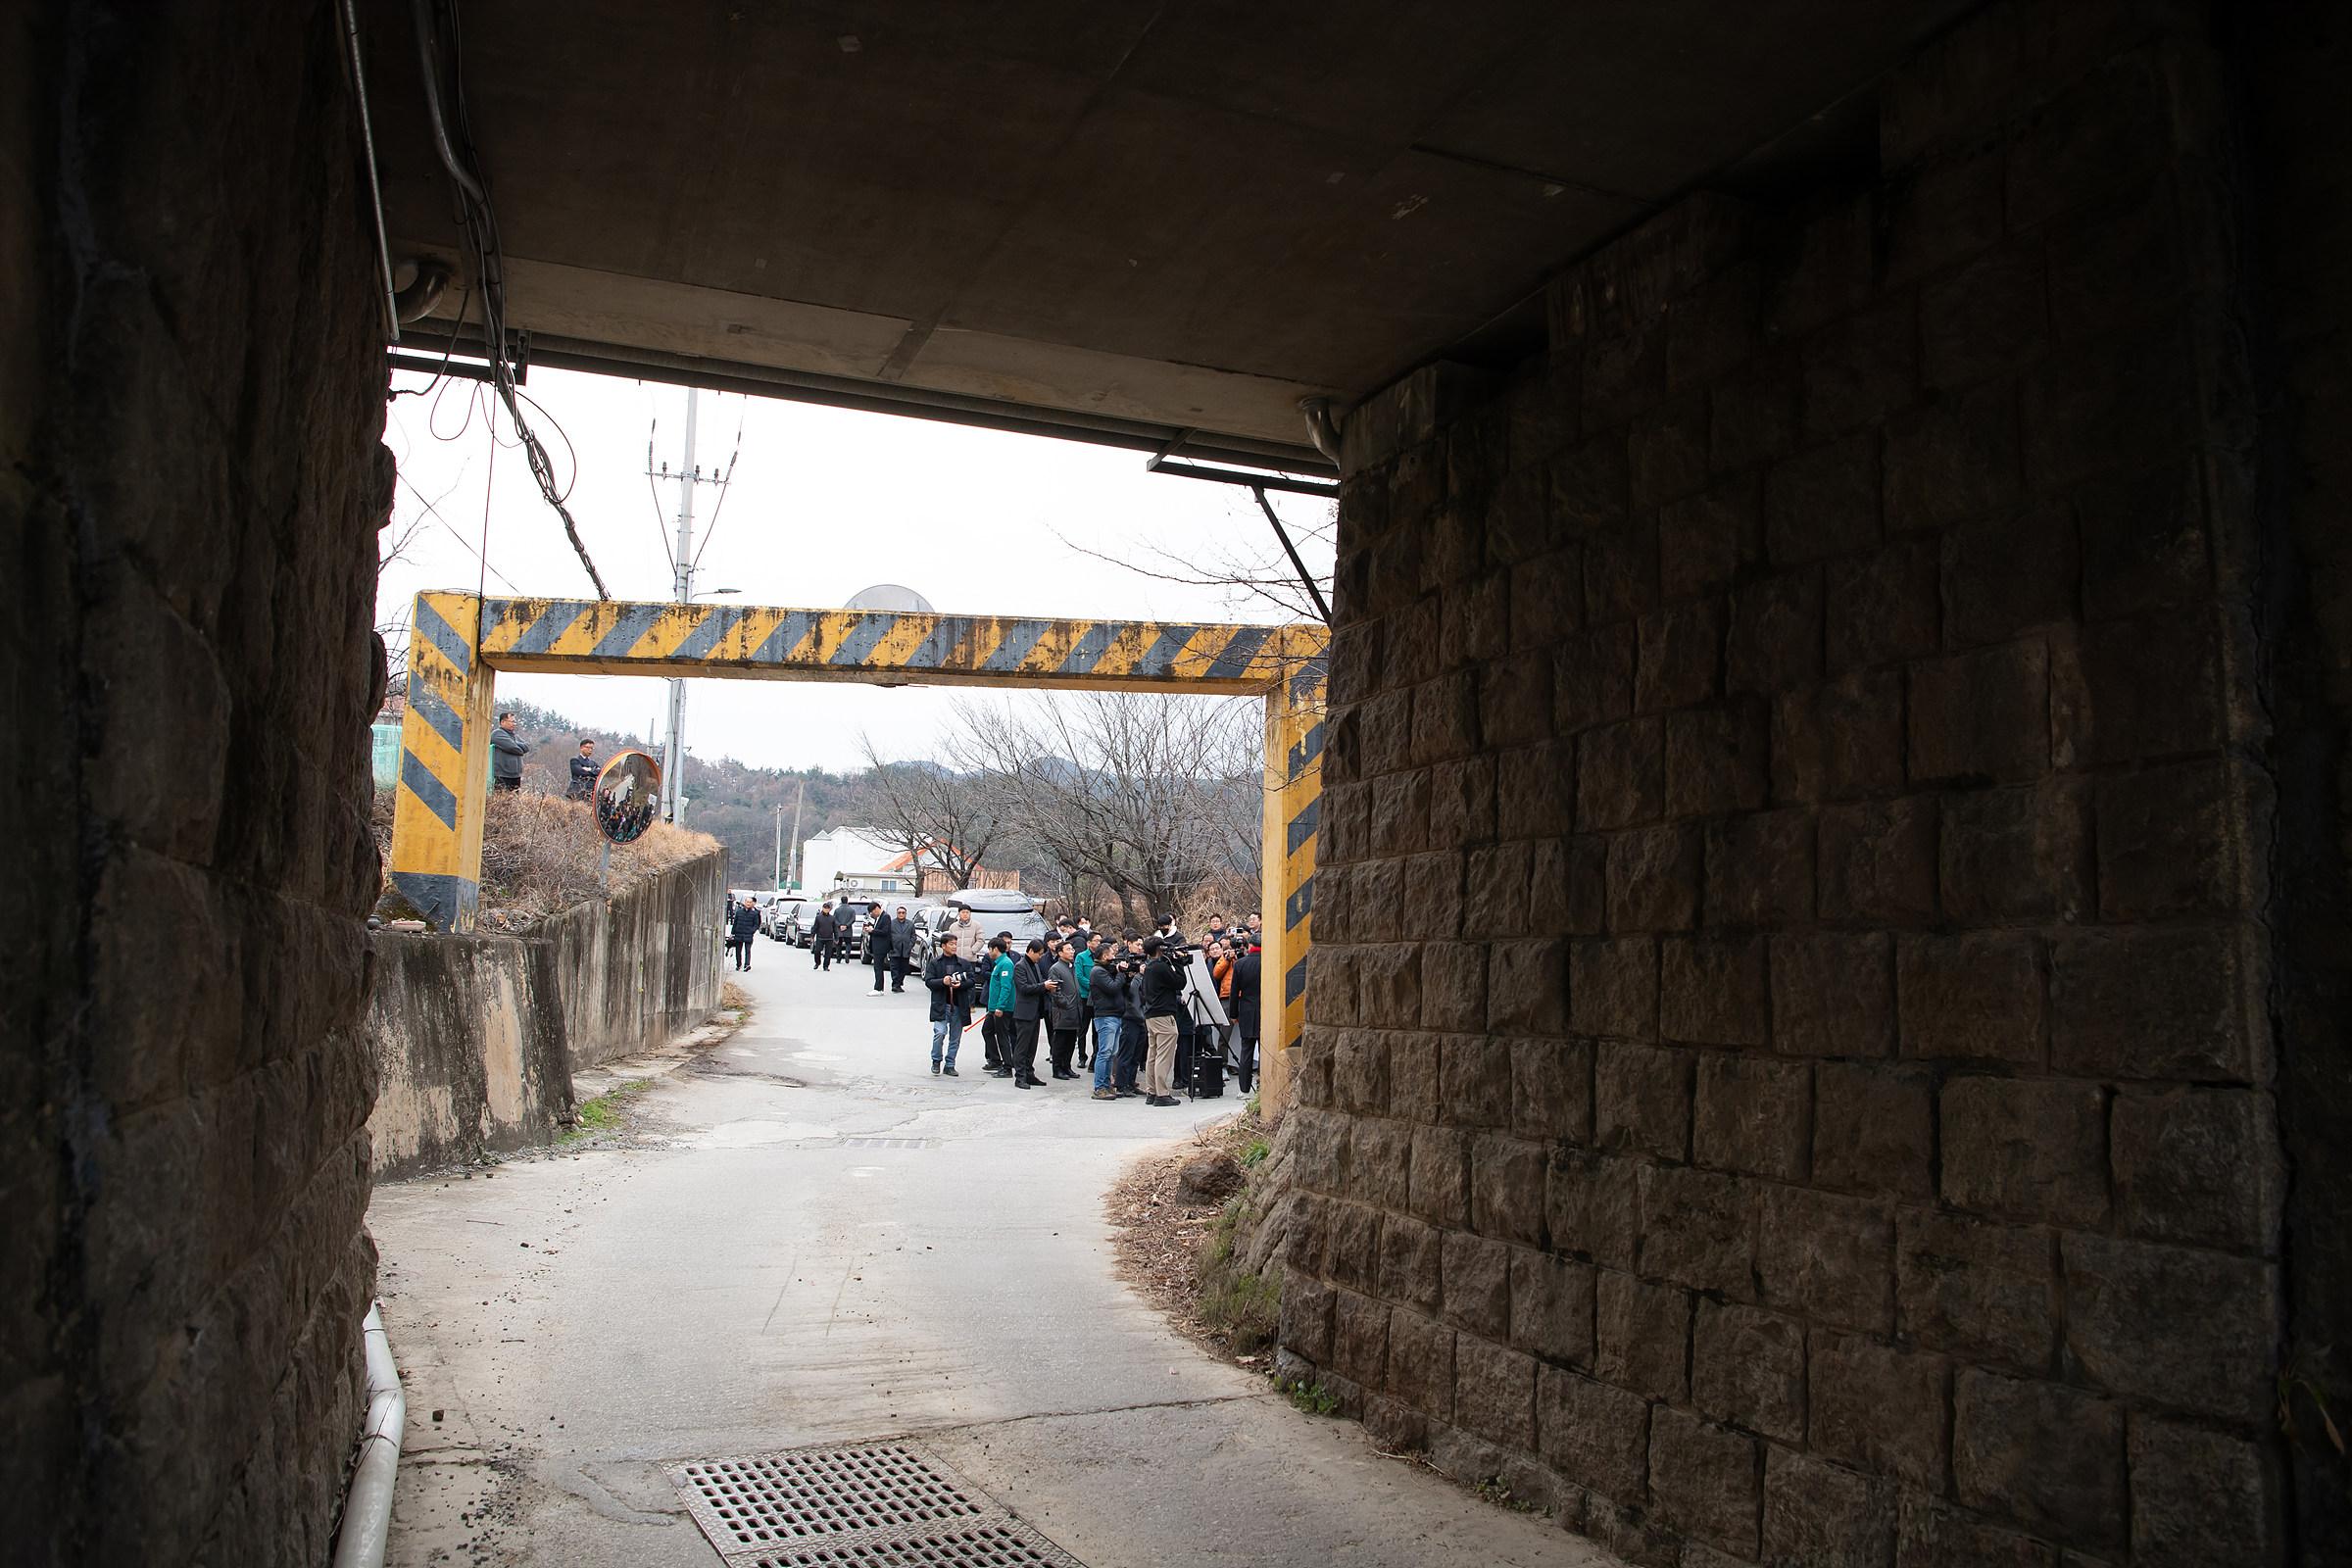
<point x="541" y="856"/>
<point x="605" y="1111"/>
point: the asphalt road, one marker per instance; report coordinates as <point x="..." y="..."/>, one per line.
<point x="804" y="1237"/>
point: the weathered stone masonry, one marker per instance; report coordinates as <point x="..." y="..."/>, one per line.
<point x="190" y="395"/>
<point x="1790" y="1067"/>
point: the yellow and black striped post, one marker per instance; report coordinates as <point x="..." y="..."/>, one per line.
<point x="1294" y="806"/>
<point x="444" y="762"/>
<point x="460" y="640"/>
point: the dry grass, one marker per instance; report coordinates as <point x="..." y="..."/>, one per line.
<point x="540" y="856"/>
<point x="1182" y="1257"/>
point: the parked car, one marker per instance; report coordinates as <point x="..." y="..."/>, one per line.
<point x="994" y="909"/>
<point x="783" y="910"/>
<point x="792" y="927"/>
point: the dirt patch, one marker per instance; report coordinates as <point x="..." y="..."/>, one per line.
<point x="1176" y="1254"/>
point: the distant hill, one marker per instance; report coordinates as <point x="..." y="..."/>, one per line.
<point x="734" y="804"/>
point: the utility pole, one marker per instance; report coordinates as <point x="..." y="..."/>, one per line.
<point x="688" y="475"/>
<point x="779" y="846"/>
<point x="799" y="799"/>
<point x="673" y="754"/>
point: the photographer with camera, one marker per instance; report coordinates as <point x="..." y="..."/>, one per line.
<point x="1161" y="998"/>
<point x="1107" y="994"/>
<point x="948" y="979"/>
<point x="1133" y="1039"/>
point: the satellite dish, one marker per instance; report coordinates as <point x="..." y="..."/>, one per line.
<point x="892" y="597"/>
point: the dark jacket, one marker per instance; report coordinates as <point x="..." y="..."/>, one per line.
<point x="943" y="997"/>
<point x="1162" y="988"/>
<point x="1068" y="1004"/>
<point x="1029" y="990"/>
<point x="878" y="938"/>
<point x="1104" y="993"/>
<point x="823" y="928"/>
<point x="902" y="940"/>
<point x="583" y="777"/>
<point x="506" y="753"/>
<point x="744" y="922"/>
<point x="1245" y="992"/>
<point x="1131" y="1013"/>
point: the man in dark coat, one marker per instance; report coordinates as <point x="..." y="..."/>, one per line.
<point x="1162" y="990"/>
<point x="507" y="751"/>
<point x="1032" y="986"/>
<point x="1134" y="1041"/>
<point x="901" y="950"/>
<point x="877" y="945"/>
<point x="741" y="926"/>
<point x="1065" y="1008"/>
<point x="1245" y="980"/>
<point x="949" y="981"/>
<point x="583" y="773"/>
<point x="823" y="932"/>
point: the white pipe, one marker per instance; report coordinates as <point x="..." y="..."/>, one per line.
<point x="367" y="1509"/>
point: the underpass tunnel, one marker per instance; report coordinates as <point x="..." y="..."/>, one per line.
<point x="1825" y="1034"/>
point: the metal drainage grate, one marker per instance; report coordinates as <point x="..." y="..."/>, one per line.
<point x="817" y="1494"/>
<point x="1001" y="1546"/>
<point x="880" y="1505"/>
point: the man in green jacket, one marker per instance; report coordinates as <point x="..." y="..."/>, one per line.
<point x="1085" y="966"/>
<point x="996" y="1031"/>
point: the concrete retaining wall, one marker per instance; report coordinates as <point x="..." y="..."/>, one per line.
<point x="476" y="1036"/>
<point x="644" y="967"/>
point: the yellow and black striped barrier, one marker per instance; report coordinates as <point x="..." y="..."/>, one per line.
<point x="459" y="641"/>
<point x="740" y="641"/>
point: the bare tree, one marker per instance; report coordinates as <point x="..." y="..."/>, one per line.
<point x="924" y="810"/>
<point x="1282" y="564"/>
<point x="1146" y="795"/>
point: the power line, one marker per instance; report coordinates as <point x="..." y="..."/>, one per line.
<point x="480" y="223"/>
<point x="434" y="512"/>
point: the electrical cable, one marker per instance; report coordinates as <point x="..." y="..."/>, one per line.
<point x="725" y="484"/>
<point x="451" y="528"/>
<point x="479" y="224"/>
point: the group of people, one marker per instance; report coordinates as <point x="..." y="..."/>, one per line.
<point x="1129" y="1007"/>
<point x="889" y="943"/>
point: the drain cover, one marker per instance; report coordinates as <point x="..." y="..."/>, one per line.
<point x="974" y="1546"/>
<point x="880" y="1505"/>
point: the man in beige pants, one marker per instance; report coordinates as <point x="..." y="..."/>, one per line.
<point x="1163" y="995"/>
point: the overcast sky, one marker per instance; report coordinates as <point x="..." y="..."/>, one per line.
<point x="823" y="503"/>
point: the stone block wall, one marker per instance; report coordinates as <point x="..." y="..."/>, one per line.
<point x="1790" y="1075"/>
<point x="190" y="487"/>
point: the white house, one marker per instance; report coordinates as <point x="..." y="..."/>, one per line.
<point x="858" y="852"/>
